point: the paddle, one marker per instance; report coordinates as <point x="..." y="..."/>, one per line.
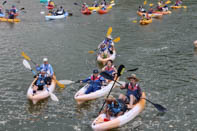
<point x="121" y="69"/>
<point x="109" y="31"/>
<point x="27" y="65"/>
<point x="28" y="58"/>
<point x="157" y="106"/>
<point x="68" y="82"/>
<point x="117" y="39"/>
<point x="4" y="2"/>
<point x="145" y="2"/>
<point x="76" y="4"/>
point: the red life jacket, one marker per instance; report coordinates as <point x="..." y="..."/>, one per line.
<point x="109" y="69"/>
<point x="95" y="78"/>
<point x="136" y="87"/>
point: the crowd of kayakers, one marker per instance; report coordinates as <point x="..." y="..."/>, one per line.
<point x="160" y="9"/>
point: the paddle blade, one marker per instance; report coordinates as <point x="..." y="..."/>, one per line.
<point x="91" y="52"/>
<point x="151" y="4"/>
<point x="145" y="2"/>
<point x="121" y="69"/>
<point x="109" y="31"/>
<point x="4" y="2"/>
<point x="59" y="84"/>
<point x="160" y="108"/>
<point x="26" y="64"/>
<point x="134" y="21"/>
<point x="66" y="82"/>
<point x="168" y="2"/>
<point x="116" y="39"/>
<point x="25" y="56"/>
<point x="75" y="3"/>
<point x="106" y="75"/>
<point x="53" y="96"/>
<point x="133" y="69"/>
<point x="184" y="7"/>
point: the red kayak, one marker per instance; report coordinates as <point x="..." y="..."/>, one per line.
<point x="86" y="11"/>
<point x="102" y="11"/>
<point x="49" y="7"/>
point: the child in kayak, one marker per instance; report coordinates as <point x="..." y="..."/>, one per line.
<point x="141" y="9"/>
<point x="133" y="91"/>
<point x="103" y="51"/>
<point x="109" y="43"/>
<point x="12" y="12"/>
<point x="114" y="108"/>
<point x="110" y="68"/>
<point x="178" y="3"/>
<point x="95" y="82"/>
<point x="40" y="82"/>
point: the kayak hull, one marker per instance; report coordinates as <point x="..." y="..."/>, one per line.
<point x="99" y="124"/>
<point x="52" y="17"/>
<point x="40" y="95"/>
<point x="145" y="22"/>
<point x="81" y="97"/>
<point x="176" y="7"/>
<point x="153" y="15"/>
<point x="86" y="12"/>
<point x="9" y="20"/>
<point x="103" y="11"/>
<point x="164" y="12"/>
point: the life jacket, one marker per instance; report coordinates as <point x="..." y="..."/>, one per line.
<point x="109" y="70"/>
<point x="41" y="80"/>
<point x="136" y="87"/>
<point x="94" y="79"/>
<point x="46" y="68"/>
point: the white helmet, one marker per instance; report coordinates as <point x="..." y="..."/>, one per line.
<point x="45" y="59"/>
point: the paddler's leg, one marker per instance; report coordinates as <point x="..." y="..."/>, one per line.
<point x="122" y="97"/>
<point x="132" y="100"/>
<point x="89" y="90"/>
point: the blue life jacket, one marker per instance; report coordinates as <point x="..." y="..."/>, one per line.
<point x="95" y="81"/>
<point x="41" y="80"/>
<point x="117" y="108"/>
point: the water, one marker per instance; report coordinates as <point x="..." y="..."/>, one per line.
<point x="163" y="51"/>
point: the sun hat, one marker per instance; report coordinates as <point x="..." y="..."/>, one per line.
<point x="45" y="59"/>
<point x="133" y="76"/>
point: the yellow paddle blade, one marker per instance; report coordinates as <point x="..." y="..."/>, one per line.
<point x="91" y="51"/>
<point x="168" y="2"/>
<point x="59" y="84"/>
<point x="116" y="39"/>
<point x="134" y="21"/>
<point x="145" y="2"/>
<point x="151" y="4"/>
<point x="25" y="56"/>
<point x="109" y="31"/>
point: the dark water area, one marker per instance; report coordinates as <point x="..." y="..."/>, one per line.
<point x="163" y="51"/>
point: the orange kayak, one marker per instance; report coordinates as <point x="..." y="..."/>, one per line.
<point x="86" y="12"/>
<point x="102" y="11"/>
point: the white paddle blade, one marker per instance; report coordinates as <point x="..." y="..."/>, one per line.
<point x="26" y="64"/>
<point x="66" y="82"/>
<point x="53" y="97"/>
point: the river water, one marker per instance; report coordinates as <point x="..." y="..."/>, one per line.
<point x="163" y="51"/>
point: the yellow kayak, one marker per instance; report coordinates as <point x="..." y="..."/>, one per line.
<point x="93" y="8"/>
<point x="99" y="7"/>
<point x="145" y="22"/>
<point x="9" y="20"/>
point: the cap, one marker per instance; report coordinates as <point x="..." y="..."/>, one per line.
<point x="45" y="59"/>
<point x="95" y="71"/>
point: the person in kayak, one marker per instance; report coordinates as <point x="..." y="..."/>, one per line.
<point x="134" y="93"/>
<point x="165" y="8"/>
<point x="114" y="108"/>
<point x="95" y="82"/>
<point x="109" y="43"/>
<point x="178" y="3"/>
<point x="103" y="5"/>
<point x="51" y="4"/>
<point x="12" y="12"/>
<point x="103" y="51"/>
<point x="84" y="6"/>
<point x="40" y="82"/>
<point x="1" y="12"/>
<point x="141" y="9"/>
<point x="151" y="10"/>
<point x="48" y="69"/>
<point x="60" y="11"/>
<point x="110" y="68"/>
<point x="95" y="4"/>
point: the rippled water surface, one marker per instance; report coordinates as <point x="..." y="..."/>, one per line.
<point x="163" y="51"/>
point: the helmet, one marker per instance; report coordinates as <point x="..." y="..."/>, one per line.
<point x="45" y="59"/>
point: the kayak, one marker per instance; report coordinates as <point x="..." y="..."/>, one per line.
<point x="93" y="8"/>
<point x="40" y="94"/>
<point x="145" y="22"/>
<point x="44" y="1"/>
<point x="104" y="60"/>
<point x="101" y="11"/>
<point x="9" y="20"/>
<point x="2" y="15"/>
<point x="176" y="7"/>
<point x="100" y="124"/>
<point x="153" y="15"/>
<point x="81" y="97"/>
<point x="163" y="12"/>
<point x="54" y="17"/>
<point x="86" y="12"/>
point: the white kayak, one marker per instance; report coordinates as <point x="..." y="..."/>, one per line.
<point x="81" y="97"/>
<point x="54" y="17"/>
<point x="40" y="94"/>
<point x="99" y="124"/>
<point x="104" y="60"/>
